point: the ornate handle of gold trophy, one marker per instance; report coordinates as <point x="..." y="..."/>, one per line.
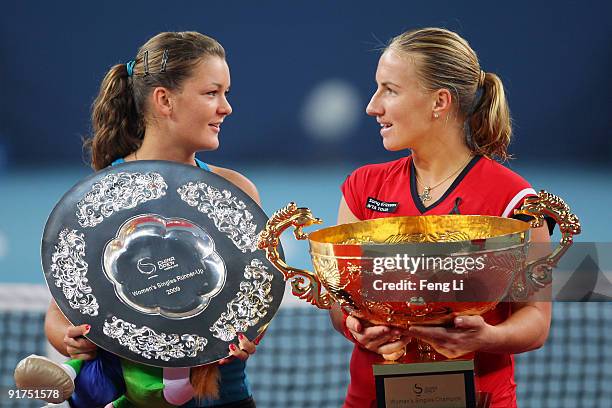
<point x="305" y="284"/>
<point x="538" y="273"/>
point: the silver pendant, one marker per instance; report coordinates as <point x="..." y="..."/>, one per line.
<point x="425" y="195"/>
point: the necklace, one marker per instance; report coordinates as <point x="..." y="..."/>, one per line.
<point x="425" y="196"/>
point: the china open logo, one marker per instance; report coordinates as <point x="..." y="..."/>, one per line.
<point x="146" y="268"/>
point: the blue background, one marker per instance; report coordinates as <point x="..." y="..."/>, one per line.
<point x="554" y="59"/>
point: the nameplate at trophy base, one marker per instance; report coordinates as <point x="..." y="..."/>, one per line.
<point x="444" y="384"/>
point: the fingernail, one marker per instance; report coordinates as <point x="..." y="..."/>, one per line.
<point x="87" y="328"/>
<point x="459" y="320"/>
<point x="240" y="336"/>
<point x="233" y="347"/>
<point x="256" y="342"/>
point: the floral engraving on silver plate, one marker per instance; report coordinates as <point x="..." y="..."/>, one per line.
<point x="227" y="212"/>
<point x="70" y="269"/>
<point x="116" y="192"/>
<point x="146" y="342"/>
<point x="250" y="304"/>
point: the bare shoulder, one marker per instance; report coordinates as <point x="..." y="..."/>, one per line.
<point x="238" y="179"/>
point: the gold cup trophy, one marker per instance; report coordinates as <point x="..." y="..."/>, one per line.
<point x="352" y="261"/>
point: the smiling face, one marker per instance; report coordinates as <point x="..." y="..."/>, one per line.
<point x="200" y="105"/>
<point x="400" y="104"/>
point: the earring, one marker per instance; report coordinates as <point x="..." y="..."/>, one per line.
<point x="436" y="115"/>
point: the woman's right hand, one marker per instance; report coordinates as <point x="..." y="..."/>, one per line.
<point x="77" y="346"/>
<point x="384" y="340"/>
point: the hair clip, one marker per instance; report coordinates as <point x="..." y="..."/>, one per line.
<point x="164" y="61"/>
<point x="146" y="63"/>
<point x="130" y="67"/>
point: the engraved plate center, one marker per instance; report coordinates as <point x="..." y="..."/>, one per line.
<point x="164" y="266"/>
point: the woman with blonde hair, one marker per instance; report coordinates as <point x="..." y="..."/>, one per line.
<point x="434" y="98"/>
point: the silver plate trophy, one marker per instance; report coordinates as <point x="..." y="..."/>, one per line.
<point x="161" y="260"/>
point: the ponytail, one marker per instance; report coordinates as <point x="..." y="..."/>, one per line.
<point x="490" y="122"/>
<point x="205" y="381"/>
<point x="117" y="126"/>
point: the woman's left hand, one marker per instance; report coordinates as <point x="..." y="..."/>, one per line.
<point x="471" y="333"/>
<point x="241" y="351"/>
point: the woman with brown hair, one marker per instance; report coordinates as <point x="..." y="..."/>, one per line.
<point x="433" y="98"/>
<point x="166" y="104"/>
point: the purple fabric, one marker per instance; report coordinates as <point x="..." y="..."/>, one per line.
<point x="99" y="382"/>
